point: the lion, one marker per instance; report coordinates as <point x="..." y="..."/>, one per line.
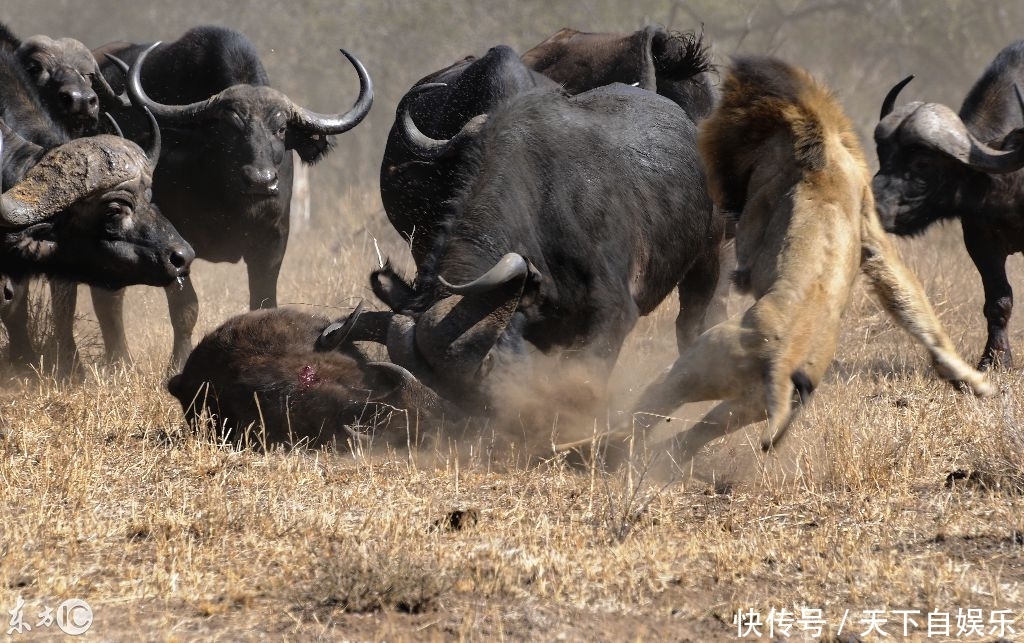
<point x="783" y="160"/>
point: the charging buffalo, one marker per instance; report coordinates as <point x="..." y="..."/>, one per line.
<point x="577" y="215"/>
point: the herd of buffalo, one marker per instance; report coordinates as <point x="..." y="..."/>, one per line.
<point x="549" y="200"/>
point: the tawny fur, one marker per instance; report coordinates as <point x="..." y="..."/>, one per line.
<point x="781" y="156"/>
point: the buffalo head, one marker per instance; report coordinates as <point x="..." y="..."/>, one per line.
<point x="250" y="127"/>
<point x="925" y="155"/>
<point x="83" y="212"/>
<point x="68" y="79"/>
<point x="415" y="185"/>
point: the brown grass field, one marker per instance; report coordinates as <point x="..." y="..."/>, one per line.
<point x="892" y="492"/>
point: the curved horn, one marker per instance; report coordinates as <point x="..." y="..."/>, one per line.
<point x="15" y="137"/>
<point x="432" y="148"/>
<point x="890" y="99"/>
<point x="509" y="267"/>
<point x="106" y="92"/>
<point x="153" y="152"/>
<point x="67" y="173"/>
<point x="12" y="210"/>
<point x="163" y="112"/>
<point x="113" y="123"/>
<point x="335" y="334"/>
<point x="401" y="343"/>
<point x="337" y="123"/>
<point x="939" y="127"/>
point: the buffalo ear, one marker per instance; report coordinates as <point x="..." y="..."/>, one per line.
<point x="393" y="384"/>
<point x="1011" y="141"/>
<point x="394" y="291"/>
<point x="311" y="148"/>
<point x="36" y="243"/>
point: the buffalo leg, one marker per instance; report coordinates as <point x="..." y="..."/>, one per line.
<point x="697" y="292"/>
<point x="263" y="269"/>
<point x="109" y="308"/>
<point x="604" y="340"/>
<point x="21" y="350"/>
<point x="64" y="297"/>
<point x="989" y="257"/>
<point x="183" y="305"/>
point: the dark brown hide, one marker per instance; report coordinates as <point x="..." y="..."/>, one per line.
<point x="675" y="65"/>
<point x="261" y="370"/>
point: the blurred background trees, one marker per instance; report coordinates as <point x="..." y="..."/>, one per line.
<point x="859" y="47"/>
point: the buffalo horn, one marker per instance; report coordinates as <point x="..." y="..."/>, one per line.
<point x="9" y="207"/>
<point x="401" y="342"/>
<point x="174" y="113"/>
<point x="153" y="152"/>
<point x="107" y="92"/>
<point x="890" y="99"/>
<point x="334" y="335"/>
<point x="509" y="267"/>
<point x="433" y="148"/>
<point x="65" y="174"/>
<point x="140" y="98"/>
<point x="113" y="123"/>
<point x="940" y="128"/>
<point x="337" y="123"/>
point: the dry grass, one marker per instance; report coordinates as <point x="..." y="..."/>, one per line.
<point x="892" y="492"/>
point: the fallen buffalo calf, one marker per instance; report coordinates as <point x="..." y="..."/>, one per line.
<point x="295" y="378"/>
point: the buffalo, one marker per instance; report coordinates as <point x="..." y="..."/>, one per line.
<point x="66" y="76"/>
<point x="652" y="58"/>
<point x="577" y="214"/>
<point x="296" y="378"/>
<point x="783" y="159"/>
<point x="936" y="165"/>
<point x="90" y="249"/>
<point x="81" y="211"/>
<point x="225" y="174"/>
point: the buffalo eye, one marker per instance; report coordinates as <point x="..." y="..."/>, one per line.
<point x="236" y="119"/>
<point x="920" y="165"/>
<point x="119" y="208"/>
<point x="35" y="69"/>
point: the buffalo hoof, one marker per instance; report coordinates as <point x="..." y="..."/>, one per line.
<point x="996" y="360"/>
